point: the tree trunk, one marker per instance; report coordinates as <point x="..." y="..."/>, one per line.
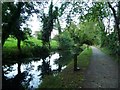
<point x="75" y="62"/>
<point x="49" y="45"/>
<point x="116" y="19"/>
<point x="19" y="70"/>
<point x="19" y="48"/>
<point x="3" y="41"/>
<point x="10" y="27"/>
<point x="5" y="33"/>
<point x="119" y="21"/>
<point x="59" y="27"/>
<point x="18" y="45"/>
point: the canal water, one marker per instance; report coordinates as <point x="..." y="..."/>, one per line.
<point x="34" y="75"/>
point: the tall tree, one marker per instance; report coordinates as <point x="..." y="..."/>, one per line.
<point x="48" y="21"/>
<point x="116" y="15"/>
<point x="12" y="24"/>
<point x="13" y="16"/>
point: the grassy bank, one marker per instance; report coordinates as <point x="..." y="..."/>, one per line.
<point x="69" y="78"/>
<point x="11" y="43"/>
<point x="30" y="48"/>
<point x="107" y="51"/>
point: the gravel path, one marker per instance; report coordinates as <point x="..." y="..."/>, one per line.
<point x="102" y="71"/>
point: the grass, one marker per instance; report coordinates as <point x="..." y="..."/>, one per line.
<point x="105" y="50"/>
<point x="12" y="42"/>
<point x="10" y="47"/>
<point x="110" y="53"/>
<point x="69" y="78"/>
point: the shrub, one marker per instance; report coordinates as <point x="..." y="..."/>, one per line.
<point x="65" y="41"/>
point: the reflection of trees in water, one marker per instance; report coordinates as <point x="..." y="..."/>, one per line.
<point x="13" y="83"/>
<point x="45" y="68"/>
<point x="20" y="80"/>
<point x="65" y="58"/>
<point x="19" y="66"/>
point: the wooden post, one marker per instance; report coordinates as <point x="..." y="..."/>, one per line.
<point x="75" y="62"/>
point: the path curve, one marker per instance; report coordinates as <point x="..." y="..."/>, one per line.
<point x="102" y="71"/>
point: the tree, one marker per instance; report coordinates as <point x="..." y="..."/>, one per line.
<point x="48" y="25"/>
<point x="27" y="31"/>
<point x="65" y="41"/>
<point x="12" y="23"/>
<point x="14" y="16"/>
<point x="116" y="15"/>
<point x="83" y="33"/>
<point x="21" y="36"/>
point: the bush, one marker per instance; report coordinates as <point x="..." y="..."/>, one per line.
<point x="65" y="41"/>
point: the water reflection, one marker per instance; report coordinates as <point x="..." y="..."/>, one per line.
<point x="64" y="57"/>
<point x="33" y="78"/>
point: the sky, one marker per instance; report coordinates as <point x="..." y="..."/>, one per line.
<point x="36" y="25"/>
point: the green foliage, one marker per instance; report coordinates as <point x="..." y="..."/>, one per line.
<point x="65" y="41"/>
<point x="113" y="43"/>
<point x="97" y="12"/>
<point x="90" y="32"/>
<point x="11" y="42"/>
<point x="84" y="46"/>
<point x="54" y="45"/>
<point x="48" y="21"/>
<point x="85" y="33"/>
<point x="13" y="17"/>
<point x="35" y="41"/>
<point x="28" y="32"/>
<point x="39" y="35"/>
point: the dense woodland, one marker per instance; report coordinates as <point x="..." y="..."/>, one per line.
<point x="91" y="29"/>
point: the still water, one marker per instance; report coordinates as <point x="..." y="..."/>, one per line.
<point x="32" y="70"/>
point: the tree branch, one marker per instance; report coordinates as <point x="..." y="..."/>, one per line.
<point x="113" y="10"/>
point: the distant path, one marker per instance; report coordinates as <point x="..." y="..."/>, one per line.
<point x="102" y="72"/>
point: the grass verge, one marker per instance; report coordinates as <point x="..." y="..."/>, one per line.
<point x="69" y="78"/>
<point x="109" y="52"/>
